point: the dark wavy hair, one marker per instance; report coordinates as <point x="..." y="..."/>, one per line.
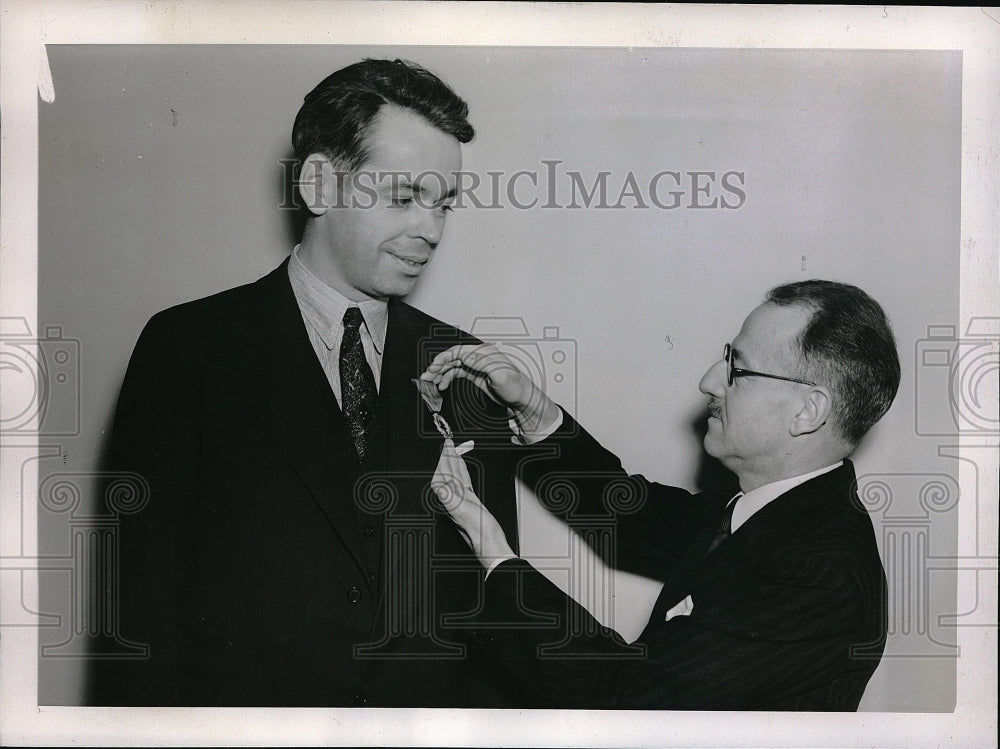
<point x="336" y="115"/>
<point x="848" y="346"/>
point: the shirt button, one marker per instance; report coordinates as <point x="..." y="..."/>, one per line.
<point x="367" y="531"/>
<point x="354" y="594"/>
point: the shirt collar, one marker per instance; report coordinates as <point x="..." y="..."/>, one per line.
<point x="324" y="306"/>
<point x="755" y="500"/>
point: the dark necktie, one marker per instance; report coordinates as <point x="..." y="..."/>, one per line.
<point x="357" y="384"/>
<point x="725" y="525"/>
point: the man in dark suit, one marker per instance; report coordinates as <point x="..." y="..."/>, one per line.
<point x="290" y="552"/>
<point x="774" y="599"/>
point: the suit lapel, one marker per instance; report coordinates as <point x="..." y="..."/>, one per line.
<point x="277" y="369"/>
<point x="413" y="444"/>
<point x="772" y="526"/>
<point x="784" y="519"/>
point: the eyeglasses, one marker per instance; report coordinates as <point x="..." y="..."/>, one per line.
<point x="732" y="371"/>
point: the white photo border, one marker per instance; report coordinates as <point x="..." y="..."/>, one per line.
<point x="28" y="26"/>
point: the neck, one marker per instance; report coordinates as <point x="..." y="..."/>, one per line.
<point x="315" y="256"/>
<point x="750" y="480"/>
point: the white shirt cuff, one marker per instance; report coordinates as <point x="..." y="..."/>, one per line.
<point x="521" y="438"/>
<point x="496" y="563"/>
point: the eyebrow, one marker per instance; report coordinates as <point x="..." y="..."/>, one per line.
<point x="402" y="184"/>
<point x="408" y="185"/>
<point x="419" y="188"/>
<point x="738" y="360"/>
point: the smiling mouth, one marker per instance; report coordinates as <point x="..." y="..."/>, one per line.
<point x="413" y="265"/>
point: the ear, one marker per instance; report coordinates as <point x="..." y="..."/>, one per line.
<point x="317" y="183"/>
<point x="816" y="411"/>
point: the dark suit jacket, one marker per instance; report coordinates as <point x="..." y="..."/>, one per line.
<point x="789" y="612"/>
<point x="267" y="567"/>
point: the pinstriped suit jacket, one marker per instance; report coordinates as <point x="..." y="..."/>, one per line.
<point x="789" y="613"/>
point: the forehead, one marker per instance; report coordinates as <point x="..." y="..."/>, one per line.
<point x="770" y="331"/>
<point x="400" y="140"/>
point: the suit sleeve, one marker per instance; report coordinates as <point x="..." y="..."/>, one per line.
<point x="548" y="641"/>
<point x="773" y="645"/>
<point x="493" y="463"/>
<point x="579" y="480"/>
<point x="154" y="436"/>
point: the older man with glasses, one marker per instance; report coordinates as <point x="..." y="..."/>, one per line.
<point x="774" y="599"/>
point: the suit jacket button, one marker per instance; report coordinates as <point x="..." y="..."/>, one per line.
<point x="359" y="700"/>
<point x="367" y="531"/>
<point x="354" y="594"/>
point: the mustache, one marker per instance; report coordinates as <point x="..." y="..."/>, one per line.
<point x="714" y="409"/>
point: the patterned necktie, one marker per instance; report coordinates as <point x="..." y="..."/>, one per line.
<point x="725" y="525"/>
<point x="357" y="384"/>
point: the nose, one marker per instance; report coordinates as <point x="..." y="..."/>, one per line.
<point x="427" y="224"/>
<point x="713" y="382"/>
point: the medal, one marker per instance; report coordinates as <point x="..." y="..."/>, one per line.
<point x="432" y="397"/>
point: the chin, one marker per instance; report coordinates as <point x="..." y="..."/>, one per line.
<point x="707" y="444"/>
<point x="397" y="289"/>
<point x="711" y="445"/>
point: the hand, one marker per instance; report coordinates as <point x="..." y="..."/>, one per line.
<point x="495" y="374"/>
<point x="478" y="526"/>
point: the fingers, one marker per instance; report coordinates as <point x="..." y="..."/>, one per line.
<point x="452" y="497"/>
<point x="461" y="504"/>
<point x="452" y="357"/>
<point x="458" y="469"/>
<point x="474" y="362"/>
<point x="451" y="481"/>
<point x="474" y="523"/>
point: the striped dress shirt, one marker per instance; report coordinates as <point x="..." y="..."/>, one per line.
<point x="323" y="308"/>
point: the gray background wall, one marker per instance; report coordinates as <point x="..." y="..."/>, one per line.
<point x="160" y="181"/>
